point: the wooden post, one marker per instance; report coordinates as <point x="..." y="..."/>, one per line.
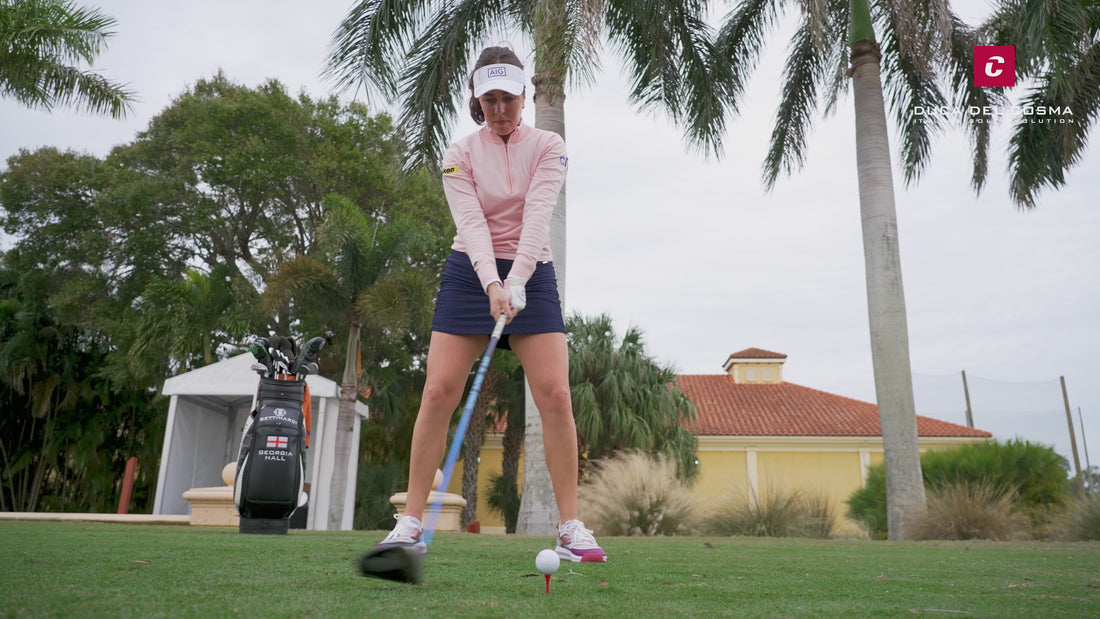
<point x="969" y="413"/>
<point x="1072" y="438"/>
<point x="1084" y="443"/>
<point x="127" y="485"/>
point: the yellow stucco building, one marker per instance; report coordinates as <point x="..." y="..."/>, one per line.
<point x="758" y="433"/>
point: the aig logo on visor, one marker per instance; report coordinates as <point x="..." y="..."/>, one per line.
<point x="498" y="72"/>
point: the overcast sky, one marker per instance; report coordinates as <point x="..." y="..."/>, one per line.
<point x="696" y="254"/>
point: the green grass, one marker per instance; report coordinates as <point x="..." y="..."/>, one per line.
<point x="52" y="569"/>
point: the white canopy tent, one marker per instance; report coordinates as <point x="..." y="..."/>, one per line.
<point x="206" y="416"/>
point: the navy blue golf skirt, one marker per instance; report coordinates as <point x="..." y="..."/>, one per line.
<point x="462" y="307"/>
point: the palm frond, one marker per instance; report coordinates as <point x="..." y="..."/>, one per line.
<point x="369" y="46"/>
<point x="41" y="44"/>
<point x="837" y="19"/>
<point x="1046" y="33"/>
<point x="922" y="30"/>
<point x="1040" y="153"/>
<point x="965" y="95"/>
<point x="441" y="55"/>
<point x="673" y="64"/>
<point x="910" y="82"/>
<point x="567" y="41"/>
<point x="306" y="279"/>
<point x="344" y="238"/>
<point x="71" y="87"/>
<point x="400" y="304"/>
<point x="801" y="74"/>
<point x="56" y="29"/>
<point x="739" y="43"/>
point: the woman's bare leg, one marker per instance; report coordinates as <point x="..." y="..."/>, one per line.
<point x="450" y="358"/>
<point x="545" y="360"/>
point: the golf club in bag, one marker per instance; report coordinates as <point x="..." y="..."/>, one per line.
<point x="271" y="460"/>
<point x="402" y="563"/>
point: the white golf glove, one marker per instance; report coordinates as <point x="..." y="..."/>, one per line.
<point x="517" y="294"/>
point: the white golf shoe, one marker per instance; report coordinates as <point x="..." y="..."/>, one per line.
<point x="407" y="532"/>
<point x="576" y="544"/>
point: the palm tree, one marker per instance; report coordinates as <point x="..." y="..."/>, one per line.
<point x="508" y="409"/>
<point x="419" y="52"/>
<point x="187" y="317"/>
<point x="361" y="280"/>
<point x="45" y="365"/>
<point x="623" y="399"/>
<point x="1057" y="46"/>
<point x="905" y="499"/>
<point x="925" y="59"/>
<point x="42" y="43"/>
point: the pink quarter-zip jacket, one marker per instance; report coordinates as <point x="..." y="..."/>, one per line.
<point x="501" y="196"/>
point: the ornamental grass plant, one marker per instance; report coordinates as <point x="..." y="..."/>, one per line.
<point x="632" y="493"/>
<point x="1081" y="520"/>
<point x="964" y="510"/>
<point x="777" y="512"/>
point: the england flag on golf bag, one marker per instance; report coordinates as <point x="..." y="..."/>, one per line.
<point x="271" y="463"/>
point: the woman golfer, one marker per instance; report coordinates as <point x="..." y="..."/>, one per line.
<point x="502" y="183"/>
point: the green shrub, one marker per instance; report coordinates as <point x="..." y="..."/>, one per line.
<point x="375" y="484"/>
<point x="776" y="513"/>
<point x="965" y="510"/>
<point x="868" y="504"/>
<point x="632" y="493"/>
<point x="1081" y="521"/>
<point x="503" y="499"/>
<point x="1036" y="473"/>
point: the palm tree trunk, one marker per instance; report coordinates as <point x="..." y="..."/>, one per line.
<point x="475" y="435"/>
<point x="345" y="426"/>
<point x="509" y="465"/>
<point x="42" y="464"/>
<point x="538" y="513"/>
<point x="905" y="498"/>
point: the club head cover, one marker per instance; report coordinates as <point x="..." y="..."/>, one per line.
<point x="285" y="345"/>
<point x="392" y="562"/>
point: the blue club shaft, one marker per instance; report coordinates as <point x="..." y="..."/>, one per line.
<point x="460" y="430"/>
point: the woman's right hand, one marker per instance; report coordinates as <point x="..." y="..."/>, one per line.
<point x="499" y="301"/>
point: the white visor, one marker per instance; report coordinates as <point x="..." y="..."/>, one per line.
<point x="506" y="77"/>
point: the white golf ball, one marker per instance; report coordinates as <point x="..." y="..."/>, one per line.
<point x="547" y="561"/>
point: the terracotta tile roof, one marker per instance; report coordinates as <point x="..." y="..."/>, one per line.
<point x="757" y="353"/>
<point x="724" y="408"/>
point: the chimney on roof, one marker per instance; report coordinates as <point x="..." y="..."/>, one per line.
<point x="754" y="365"/>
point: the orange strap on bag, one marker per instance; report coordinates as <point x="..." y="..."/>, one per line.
<point x="307" y="412"/>
<point x="307" y="406"/>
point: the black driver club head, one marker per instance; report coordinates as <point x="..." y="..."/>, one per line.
<point x="392" y="562"/>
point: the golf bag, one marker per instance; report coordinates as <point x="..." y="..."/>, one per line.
<point x="271" y="461"/>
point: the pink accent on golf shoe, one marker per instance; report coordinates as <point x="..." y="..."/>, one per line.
<point x="576" y="544"/>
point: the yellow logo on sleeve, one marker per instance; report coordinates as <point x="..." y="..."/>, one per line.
<point x="450" y="169"/>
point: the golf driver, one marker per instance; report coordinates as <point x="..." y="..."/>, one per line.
<point x="401" y="563"/>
